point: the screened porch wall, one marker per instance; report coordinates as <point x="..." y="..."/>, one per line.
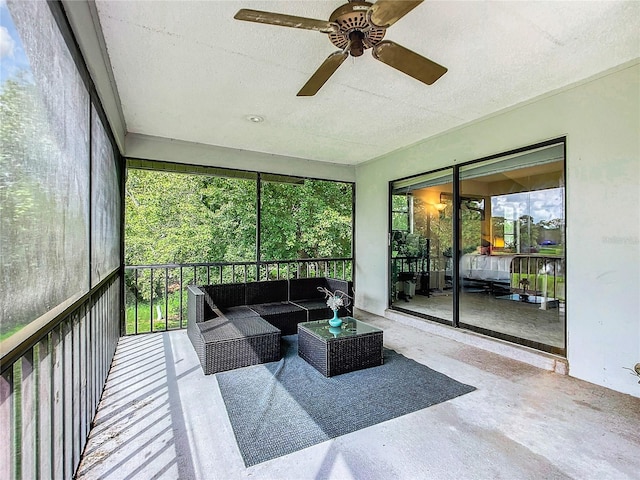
<point x="61" y="242"/>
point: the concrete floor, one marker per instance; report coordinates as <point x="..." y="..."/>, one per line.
<point x="160" y="417"/>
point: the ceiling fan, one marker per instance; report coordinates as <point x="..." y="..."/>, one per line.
<point x="354" y="27"/>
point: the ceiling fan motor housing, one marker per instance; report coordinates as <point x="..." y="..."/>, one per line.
<point x="351" y="18"/>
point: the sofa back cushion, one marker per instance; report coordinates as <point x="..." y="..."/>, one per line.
<point x="208" y="307"/>
<point x="267" y="292"/>
<point x="227" y="295"/>
<point x="342" y="285"/>
<point x="307" y="288"/>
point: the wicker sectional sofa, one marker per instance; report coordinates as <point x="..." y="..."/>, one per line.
<point x="240" y="324"/>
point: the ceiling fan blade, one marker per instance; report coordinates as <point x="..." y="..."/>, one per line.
<point x="320" y="77"/>
<point x="408" y="62"/>
<point x="285" y="20"/>
<point x="385" y="13"/>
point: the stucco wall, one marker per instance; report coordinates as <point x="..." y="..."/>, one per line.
<point x="601" y="120"/>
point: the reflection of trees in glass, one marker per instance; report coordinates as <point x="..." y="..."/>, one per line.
<point x="471" y="230"/>
<point x="523" y="235"/>
<point x="527" y="234"/>
<point x="400" y="212"/>
<point x="541" y="237"/>
<point x="438" y="226"/>
<point x="520" y="231"/>
<point x="551" y="237"/>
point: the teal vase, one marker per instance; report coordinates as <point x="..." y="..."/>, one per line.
<point x="335" y="321"/>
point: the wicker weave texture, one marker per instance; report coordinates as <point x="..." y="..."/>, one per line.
<point x="230" y="354"/>
<point x="239" y="312"/>
<point x="267" y="292"/>
<point x="229" y="344"/>
<point x="230" y="341"/>
<point x="227" y="295"/>
<point x="340" y="355"/>
<point x="316" y="309"/>
<point x="283" y="315"/>
<point x="307" y="288"/>
<point x="195" y="314"/>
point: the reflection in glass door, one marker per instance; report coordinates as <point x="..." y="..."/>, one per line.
<point x="422" y="246"/>
<point x="509" y="226"/>
<point x="512" y="248"/>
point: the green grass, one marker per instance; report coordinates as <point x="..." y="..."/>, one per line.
<point x="162" y="320"/>
<point x="7" y="333"/>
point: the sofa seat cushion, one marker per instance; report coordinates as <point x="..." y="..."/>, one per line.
<point x="221" y="329"/>
<point x="238" y="312"/>
<point x="317" y="309"/>
<point x="275" y="308"/>
<point x="283" y="315"/>
<point x="229" y="344"/>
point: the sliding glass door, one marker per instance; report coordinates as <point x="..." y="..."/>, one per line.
<point x="510" y="246"/>
<point x="422" y="245"/>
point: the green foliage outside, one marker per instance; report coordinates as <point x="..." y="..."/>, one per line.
<point x="173" y="218"/>
<point x="163" y="318"/>
<point x="20" y="195"/>
<point x="179" y="218"/>
<point x="309" y="220"/>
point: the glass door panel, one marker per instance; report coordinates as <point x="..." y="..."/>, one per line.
<point x="512" y="248"/>
<point x="422" y="246"/>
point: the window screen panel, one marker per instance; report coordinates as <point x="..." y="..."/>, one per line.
<point x="44" y="186"/>
<point x="105" y="204"/>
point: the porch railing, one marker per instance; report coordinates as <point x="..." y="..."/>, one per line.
<point x="156" y="295"/>
<point x="49" y="395"/>
<point x="539" y="276"/>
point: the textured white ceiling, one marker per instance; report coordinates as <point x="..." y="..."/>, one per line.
<point x="187" y="70"/>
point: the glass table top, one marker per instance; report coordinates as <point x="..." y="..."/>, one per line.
<point x="350" y="328"/>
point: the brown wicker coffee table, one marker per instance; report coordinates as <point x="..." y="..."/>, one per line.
<point x="333" y="351"/>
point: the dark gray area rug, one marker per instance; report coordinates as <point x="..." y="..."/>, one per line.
<point x="281" y="407"/>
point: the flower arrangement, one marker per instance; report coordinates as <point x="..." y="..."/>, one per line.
<point x="336" y="299"/>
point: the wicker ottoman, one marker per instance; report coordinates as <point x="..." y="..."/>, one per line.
<point x="333" y="351"/>
<point x="229" y="344"/>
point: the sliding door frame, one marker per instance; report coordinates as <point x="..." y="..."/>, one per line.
<point x="457" y="243"/>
